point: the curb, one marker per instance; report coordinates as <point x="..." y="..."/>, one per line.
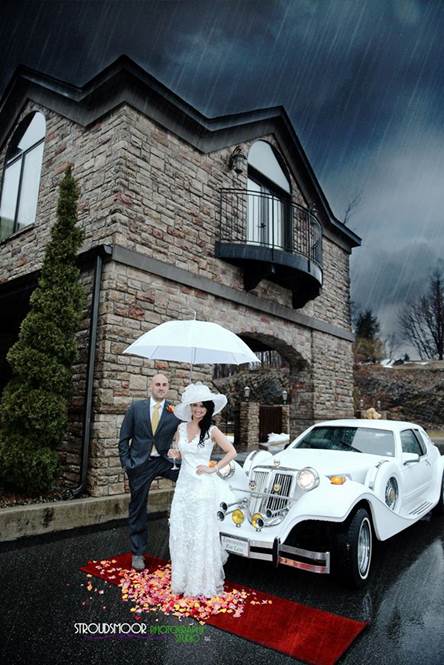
<point x="40" y="518"/>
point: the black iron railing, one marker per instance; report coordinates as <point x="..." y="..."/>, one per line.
<point x="256" y="218"/>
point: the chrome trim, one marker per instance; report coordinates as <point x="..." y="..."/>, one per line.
<point x="274" y="521"/>
<point x="278" y="496"/>
<point x="273" y="513"/>
<point x="261" y="543"/>
<point x="391" y="489"/>
<point x="420" y="508"/>
<point x="233" y="503"/>
<point x="312" y="568"/>
<point x="260" y="555"/>
<point x="227" y="512"/>
<point x="308" y="554"/>
<point x="364" y="553"/>
<point x="314" y="473"/>
<point x="322" y="559"/>
<point x="271" y="467"/>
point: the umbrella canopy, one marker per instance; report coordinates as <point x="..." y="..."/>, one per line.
<point x="194" y="342"/>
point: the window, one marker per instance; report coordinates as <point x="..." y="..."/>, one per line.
<point x="357" y="439"/>
<point x="268" y="198"/>
<point x="410" y="443"/>
<point x="21" y="177"/>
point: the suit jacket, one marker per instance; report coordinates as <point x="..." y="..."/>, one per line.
<point x="136" y="426"/>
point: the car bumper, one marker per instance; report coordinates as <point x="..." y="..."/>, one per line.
<point x="277" y="554"/>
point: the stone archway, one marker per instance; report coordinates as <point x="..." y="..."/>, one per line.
<point x="294" y="375"/>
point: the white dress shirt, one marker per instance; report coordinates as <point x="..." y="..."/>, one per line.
<point x="154" y="450"/>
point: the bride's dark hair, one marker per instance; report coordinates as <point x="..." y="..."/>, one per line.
<point x="206" y="421"/>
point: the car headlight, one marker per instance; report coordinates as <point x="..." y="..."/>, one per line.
<point x="257" y="520"/>
<point x="307" y="479"/>
<point x="237" y="516"/>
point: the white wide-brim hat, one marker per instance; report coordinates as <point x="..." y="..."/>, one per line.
<point x="198" y="392"/>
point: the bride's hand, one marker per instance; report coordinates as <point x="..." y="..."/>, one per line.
<point x="173" y="453"/>
<point x="205" y="469"/>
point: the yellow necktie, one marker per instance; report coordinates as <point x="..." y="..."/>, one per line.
<point x="155" y="417"/>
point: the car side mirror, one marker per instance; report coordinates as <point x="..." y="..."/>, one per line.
<point x="408" y="458"/>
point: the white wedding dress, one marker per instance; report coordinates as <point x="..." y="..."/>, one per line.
<point x="197" y="556"/>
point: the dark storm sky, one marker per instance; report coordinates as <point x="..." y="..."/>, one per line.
<point x="362" y="81"/>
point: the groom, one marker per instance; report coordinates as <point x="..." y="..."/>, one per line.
<point x="150" y="424"/>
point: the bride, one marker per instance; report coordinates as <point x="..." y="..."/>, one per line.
<point x="197" y="556"/>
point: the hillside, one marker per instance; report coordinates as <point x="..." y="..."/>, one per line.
<point x="406" y="392"/>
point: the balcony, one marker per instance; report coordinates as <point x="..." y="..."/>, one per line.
<point x="270" y="238"/>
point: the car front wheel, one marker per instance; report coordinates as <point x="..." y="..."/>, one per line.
<point x="354" y="548"/>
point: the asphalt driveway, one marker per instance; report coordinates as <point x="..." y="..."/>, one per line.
<point x="44" y="597"/>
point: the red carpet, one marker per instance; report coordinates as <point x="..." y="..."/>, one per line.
<point x="305" y="633"/>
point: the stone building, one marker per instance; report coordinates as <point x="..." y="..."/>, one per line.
<point x="222" y="216"/>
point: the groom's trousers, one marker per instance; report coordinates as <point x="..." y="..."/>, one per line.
<point x="139" y="484"/>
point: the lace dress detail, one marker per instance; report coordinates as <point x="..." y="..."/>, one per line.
<point x="197" y="555"/>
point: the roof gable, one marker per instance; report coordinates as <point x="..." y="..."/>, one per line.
<point x="124" y="81"/>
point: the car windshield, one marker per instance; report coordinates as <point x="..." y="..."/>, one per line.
<point x="357" y="439"/>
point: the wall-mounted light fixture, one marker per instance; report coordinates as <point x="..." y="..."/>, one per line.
<point x="237" y="160"/>
<point x="247" y="391"/>
<point x="284" y="396"/>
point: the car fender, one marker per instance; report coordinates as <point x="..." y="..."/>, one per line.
<point x="335" y="503"/>
<point x="378" y="476"/>
<point x="257" y="458"/>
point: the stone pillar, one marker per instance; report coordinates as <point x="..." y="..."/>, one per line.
<point x="249" y="425"/>
<point x="285" y="418"/>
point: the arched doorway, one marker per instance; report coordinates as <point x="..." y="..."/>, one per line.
<point x="278" y="391"/>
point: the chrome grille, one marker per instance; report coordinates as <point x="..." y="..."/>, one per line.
<point x="277" y="503"/>
<point x="265" y="480"/>
<point x="260" y="477"/>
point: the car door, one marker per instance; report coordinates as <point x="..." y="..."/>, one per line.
<point x="417" y="476"/>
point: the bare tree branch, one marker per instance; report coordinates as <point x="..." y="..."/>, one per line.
<point x="422" y="320"/>
<point x="354" y="203"/>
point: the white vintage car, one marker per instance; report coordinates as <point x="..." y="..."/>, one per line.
<point x="319" y="504"/>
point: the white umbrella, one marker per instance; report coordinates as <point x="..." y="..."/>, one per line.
<point x="194" y="342"/>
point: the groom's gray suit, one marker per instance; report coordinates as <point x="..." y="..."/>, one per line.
<point x="141" y="466"/>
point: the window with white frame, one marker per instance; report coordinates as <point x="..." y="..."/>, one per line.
<point x="21" y="175"/>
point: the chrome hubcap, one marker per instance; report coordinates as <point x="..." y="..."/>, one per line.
<point x="391" y="493"/>
<point x="364" y="547"/>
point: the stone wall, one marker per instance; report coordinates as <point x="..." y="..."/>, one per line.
<point x="133" y="301"/>
<point x="170" y="210"/>
<point x="332" y="377"/>
<point x="143" y="188"/>
<point x="96" y="155"/>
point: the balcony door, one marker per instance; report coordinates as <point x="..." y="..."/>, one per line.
<point x="269" y="198"/>
<point x="267" y="216"/>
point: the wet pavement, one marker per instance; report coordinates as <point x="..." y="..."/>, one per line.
<point x="43" y="598"/>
